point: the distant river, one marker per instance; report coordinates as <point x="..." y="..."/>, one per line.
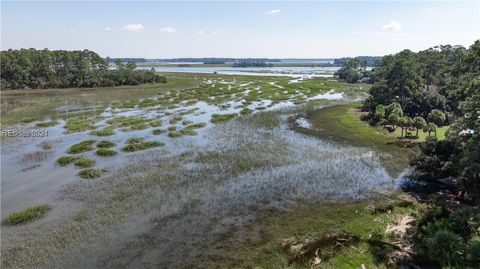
<point x="297" y="71"/>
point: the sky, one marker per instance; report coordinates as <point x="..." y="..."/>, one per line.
<point x="284" y="29"/>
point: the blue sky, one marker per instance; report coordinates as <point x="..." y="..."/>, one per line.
<point x="286" y="29"/>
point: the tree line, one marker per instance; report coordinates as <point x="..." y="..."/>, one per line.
<point x="31" y="68"/>
<point x="434" y="87"/>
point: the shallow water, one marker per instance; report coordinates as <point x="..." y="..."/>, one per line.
<point x="24" y="185"/>
<point x="296" y="71"/>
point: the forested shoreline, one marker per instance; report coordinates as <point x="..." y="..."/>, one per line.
<point x="38" y="69"/>
<point x="436" y="87"/>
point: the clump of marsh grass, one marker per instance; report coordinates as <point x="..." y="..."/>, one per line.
<point x="132" y="140"/>
<point x="45" y="145"/>
<point x="186" y="122"/>
<point x="105" y="144"/>
<point x="84" y="162"/>
<point x="44" y="124"/>
<point x="222" y="117"/>
<point x="136" y="144"/>
<point x="90" y="173"/>
<point x="81" y="147"/>
<point x="155" y="123"/>
<point x="105" y="152"/>
<point x="66" y="160"/>
<point x="80" y="123"/>
<point x="187" y="131"/>
<point x="103" y="132"/>
<point x="197" y="125"/>
<point x="27" y="215"/>
<point x="158" y="131"/>
<point x="172" y="128"/>
<point x="36" y="156"/>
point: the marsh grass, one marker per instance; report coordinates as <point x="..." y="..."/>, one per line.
<point x="155" y="123"/>
<point x="174" y="134"/>
<point x="46" y="124"/>
<point x="45" y="145"/>
<point x="84" y="162"/>
<point x="105" y="152"/>
<point x="222" y="117"/>
<point x="83" y="146"/>
<point x="197" y="125"/>
<point x="137" y="145"/>
<point x="27" y="215"/>
<point x="66" y="160"/>
<point x="103" y="132"/>
<point x="158" y="131"/>
<point x="105" y="144"/>
<point x="188" y="131"/>
<point x="80" y="123"/>
<point x="90" y="173"/>
<point x="36" y="156"/>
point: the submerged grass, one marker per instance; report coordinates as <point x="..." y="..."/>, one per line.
<point x="27" y="215"/>
<point x="90" y="173"/>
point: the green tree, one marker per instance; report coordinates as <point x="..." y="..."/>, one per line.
<point x="436" y="116"/>
<point x="418" y="123"/>
<point x="430" y="127"/>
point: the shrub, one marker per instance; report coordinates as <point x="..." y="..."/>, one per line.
<point x="90" y="173"/>
<point x="105" y="152"/>
<point x="105" y="144"/>
<point x="81" y="147"/>
<point x="26" y="215"/>
<point x="443" y="248"/>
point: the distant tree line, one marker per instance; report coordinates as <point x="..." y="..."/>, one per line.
<point x="252" y="64"/>
<point x="193" y="60"/>
<point x="214" y="61"/>
<point x="31" y="68"/>
<point x="370" y="61"/>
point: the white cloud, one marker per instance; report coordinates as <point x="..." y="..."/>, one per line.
<point x="393" y="26"/>
<point x="168" y="30"/>
<point x="134" y="27"/>
<point x="215" y="32"/>
<point x="107" y="29"/>
<point x="272" y="12"/>
<point x="69" y="31"/>
<point x="200" y="32"/>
